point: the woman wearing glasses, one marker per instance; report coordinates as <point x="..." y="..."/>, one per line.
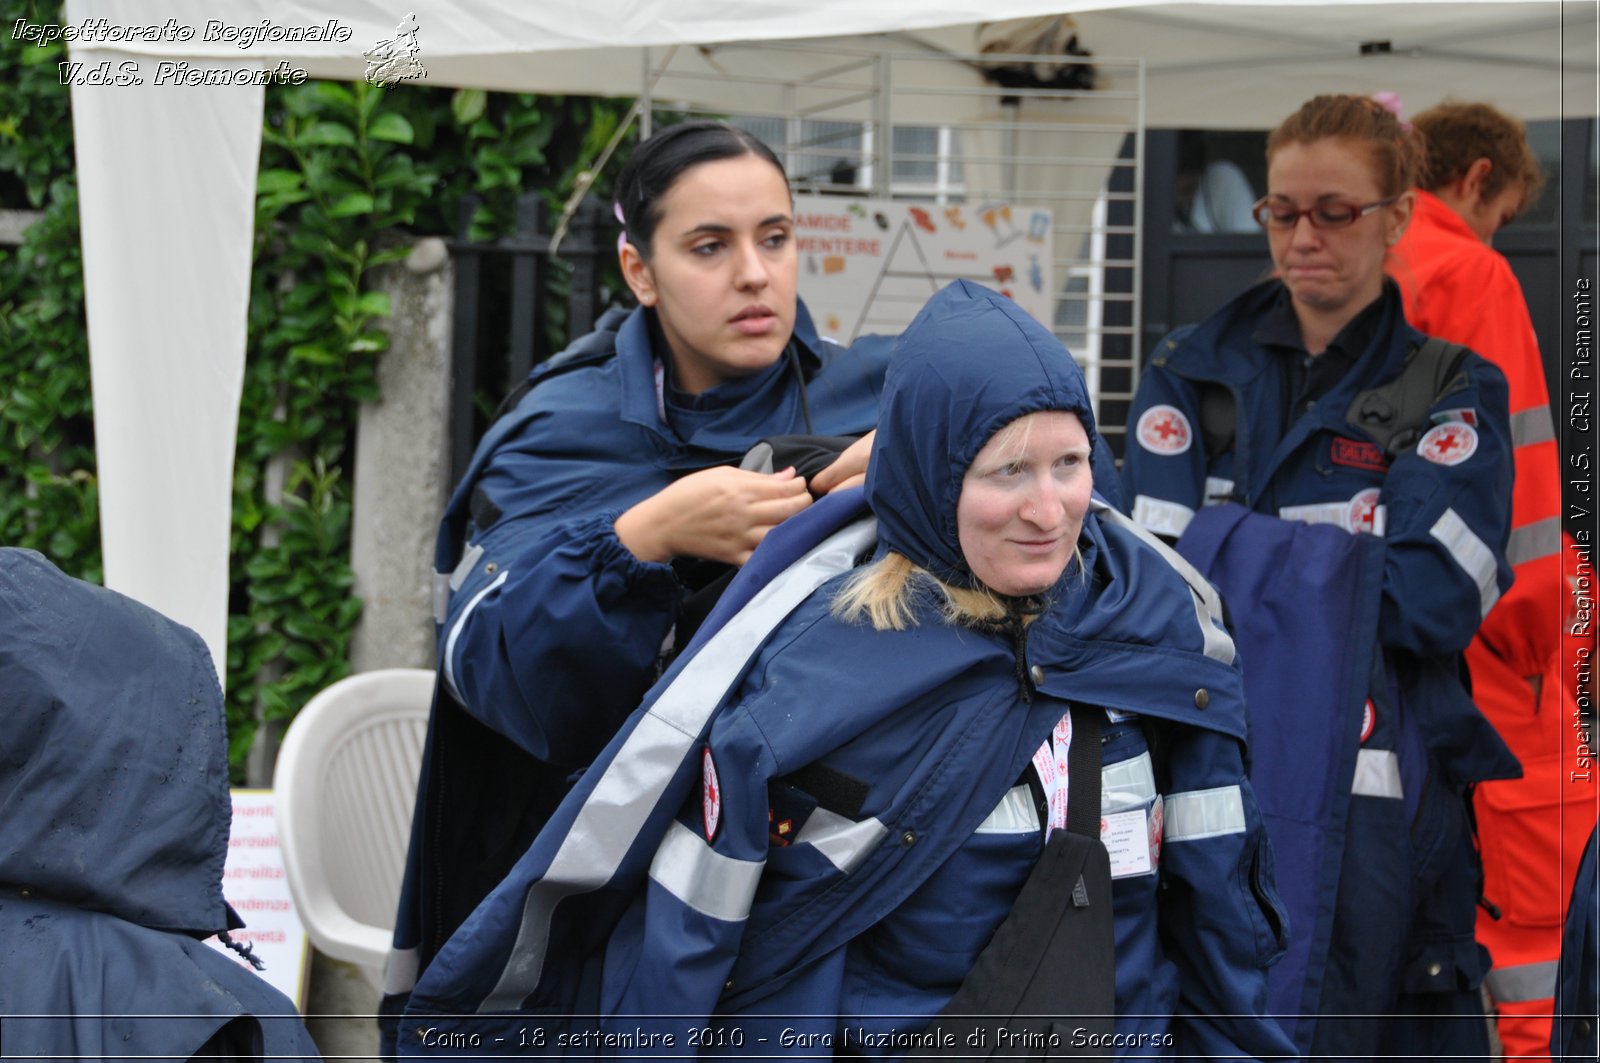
<point x="1308" y="401"/>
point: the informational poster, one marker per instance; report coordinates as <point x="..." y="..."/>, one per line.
<point x="253" y="881"/>
<point x="868" y="265"/>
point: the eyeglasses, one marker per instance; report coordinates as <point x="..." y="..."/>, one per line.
<point x="1335" y="215"/>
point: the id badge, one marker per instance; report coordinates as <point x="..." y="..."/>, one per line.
<point x="1133" y="839"/>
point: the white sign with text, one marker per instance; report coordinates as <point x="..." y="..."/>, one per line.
<point x="253" y="881"/>
<point x="868" y="265"/>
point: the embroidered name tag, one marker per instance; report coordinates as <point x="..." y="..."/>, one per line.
<point x="1359" y="455"/>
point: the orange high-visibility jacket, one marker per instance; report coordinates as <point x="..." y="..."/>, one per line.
<point x="1459" y="288"/>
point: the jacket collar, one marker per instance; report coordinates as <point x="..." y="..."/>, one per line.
<point x="1227" y="349"/>
<point x="1139" y="635"/>
<point x="638" y="347"/>
<point x="1432" y="211"/>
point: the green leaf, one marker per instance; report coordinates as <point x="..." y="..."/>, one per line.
<point x="313" y="353"/>
<point x="327" y="135"/>
<point x="467" y="105"/>
<point x="352" y="204"/>
<point x="374" y="304"/>
<point x="270" y="206"/>
<point x="335" y="93"/>
<point x="393" y="128"/>
<point x="367" y="99"/>
<point x="278" y="181"/>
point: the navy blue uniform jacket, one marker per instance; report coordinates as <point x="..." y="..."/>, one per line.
<point x="691" y="887"/>
<point x="550" y="628"/>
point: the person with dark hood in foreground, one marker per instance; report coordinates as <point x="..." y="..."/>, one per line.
<point x="841" y="818"/>
<point x="114" y="820"/>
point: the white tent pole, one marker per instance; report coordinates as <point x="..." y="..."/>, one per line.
<point x="647" y="84"/>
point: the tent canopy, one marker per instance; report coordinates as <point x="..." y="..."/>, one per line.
<point x="167" y="170"/>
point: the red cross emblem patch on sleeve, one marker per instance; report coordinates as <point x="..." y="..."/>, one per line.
<point x="1450" y="443"/>
<point x="1364" y="512"/>
<point x="710" y="796"/>
<point x="1164" y="430"/>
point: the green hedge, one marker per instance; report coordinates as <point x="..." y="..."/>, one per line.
<point x="343" y="167"/>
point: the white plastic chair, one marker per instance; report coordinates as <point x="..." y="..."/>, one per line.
<point x="346" y="782"/>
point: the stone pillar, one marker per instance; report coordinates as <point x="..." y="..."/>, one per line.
<point x="402" y="467"/>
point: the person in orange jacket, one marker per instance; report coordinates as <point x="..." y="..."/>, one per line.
<point x="1480" y="173"/>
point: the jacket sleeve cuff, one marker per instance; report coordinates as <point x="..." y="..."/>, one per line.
<point x="616" y="569"/>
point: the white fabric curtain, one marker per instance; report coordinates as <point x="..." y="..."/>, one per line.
<point x="166" y="188"/>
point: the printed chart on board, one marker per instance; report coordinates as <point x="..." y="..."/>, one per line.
<point x="868" y="265"/>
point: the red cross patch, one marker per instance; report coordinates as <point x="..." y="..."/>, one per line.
<point x="1364" y="511"/>
<point x="710" y="796"/>
<point x="1164" y="430"/>
<point x="1450" y="443"/>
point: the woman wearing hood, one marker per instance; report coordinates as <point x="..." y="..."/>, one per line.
<point x="832" y="843"/>
<point x="114" y="821"/>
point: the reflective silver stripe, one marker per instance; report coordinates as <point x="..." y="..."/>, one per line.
<point x="1207" y="604"/>
<point x="1530" y="542"/>
<point x="1523" y="983"/>
<point x="844" y="841"/>
<point x="1339" y="514"/>
<point x="633" y="782"/>
<point x="400" y="971"/>
<point x="1127" y="784"/>
<point x="465" y="565"/>
<point x="455" y="633"/>
<point x="441" y="597"/>
<point x="1377" y="774"/>
<point x="1161" y="516"/>
<point x="1015" y="814"/>
<point x="1218" y="491"/>
<point x="1198" y="814"/>
<point x="1469" y="551"/>
<point x="712" y="884"/>
<point x="1533" y="425"/>
<point x="1318" y="513"/>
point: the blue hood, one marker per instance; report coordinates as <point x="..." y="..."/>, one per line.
<point x="113" y="753"/>
<point x="970" y="363"/>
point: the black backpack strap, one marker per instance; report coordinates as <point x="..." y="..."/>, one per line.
<point x="469" y="507"/>
<point x="1049" y="972"/>
<point x="1083" y="771"/>
<point x="1219" y="419"/>
<point x="1396" y="414"/>
<point x="594" y="348"/>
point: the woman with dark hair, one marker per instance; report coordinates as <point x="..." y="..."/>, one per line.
<point x="996" y="770"/>
<point x="1346" y="482"/>
<point x="594" y="507"/>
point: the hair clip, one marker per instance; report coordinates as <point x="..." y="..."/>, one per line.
<point x="1390" y="101"/>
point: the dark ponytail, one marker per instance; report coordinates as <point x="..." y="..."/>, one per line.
<point x="658" y="163"/>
